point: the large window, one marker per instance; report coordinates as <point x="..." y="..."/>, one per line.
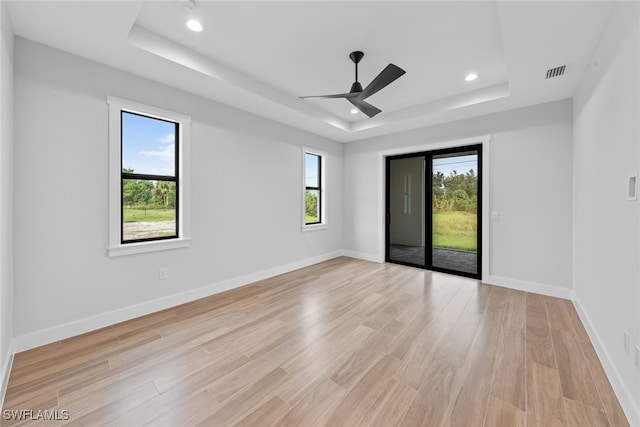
<point x="148" y="187"/>
<point x="314" y="189"/>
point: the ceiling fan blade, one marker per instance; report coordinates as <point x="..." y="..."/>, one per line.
<point x="364" y="106"/>
<point x="382" y="80"/>
<point x="338" y="95"/>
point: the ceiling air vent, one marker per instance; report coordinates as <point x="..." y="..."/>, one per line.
<point x="556" y="72"/>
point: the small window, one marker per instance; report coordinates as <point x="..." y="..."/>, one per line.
<point x="314" y="189"/>
<point x="148" y="187"/>
<point x="150" y="165"/>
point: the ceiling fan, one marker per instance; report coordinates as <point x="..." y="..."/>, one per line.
<point x="357" y="96"/>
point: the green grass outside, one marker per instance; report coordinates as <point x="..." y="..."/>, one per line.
<point x="455" y="230"/>
<point x="311" y="219"/>
<point x="451" y="229"/>
<point x="148" y="215"/>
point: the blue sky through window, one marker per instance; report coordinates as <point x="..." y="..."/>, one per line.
<point x="148" y="145"/>
<point x="311" y="169"/>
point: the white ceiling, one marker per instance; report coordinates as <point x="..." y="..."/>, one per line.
<point x="261" y="56"/>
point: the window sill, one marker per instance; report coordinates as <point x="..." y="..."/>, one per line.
<point x="144" y="247"/>
<point x="314" y="227"/>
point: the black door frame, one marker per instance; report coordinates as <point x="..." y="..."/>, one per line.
<point x="428" y="211"/>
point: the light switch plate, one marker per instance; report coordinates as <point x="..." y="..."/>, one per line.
<point x="626" y="342"/>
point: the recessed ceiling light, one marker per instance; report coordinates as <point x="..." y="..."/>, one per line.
<point x="471" y="77"/>
<point x="194" y="25"/>
<point x="354" y="111"/>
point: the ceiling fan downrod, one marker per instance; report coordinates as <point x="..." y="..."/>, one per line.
<point x="356" y="57"/>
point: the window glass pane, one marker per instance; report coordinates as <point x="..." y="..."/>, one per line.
<point x="312" y="206"/>
<point x="312" y="167"/>
<point x="148" y="209"/>
<point x="148" y="145"/>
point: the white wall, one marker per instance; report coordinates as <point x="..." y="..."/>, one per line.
<point x="530" y="180"/>
<point x="246" y="193"/>
<point x="606" y="225"/>
<point x="6" y="195"/>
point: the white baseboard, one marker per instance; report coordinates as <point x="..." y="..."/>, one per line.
<point x="364" y="256"/>
<point x="629" y="405"/>
<point x="536" y="288"/>
<point x="6" y="371"/>
<point x="88" y="324"/>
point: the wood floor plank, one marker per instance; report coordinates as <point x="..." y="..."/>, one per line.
<point x="430" y="404"/>
<point x="539" y="344"/>
<point x="610" y="403"/>
<point x="316" y="406"/>
<point x="509" y="378"/>
<point x="266" y="414"/>
<point x="97" y="410"/>
<point x="456" y="306"/>
<point x="584" y="415"/>
<point x="177" y="363"/>
<point x="36" y="355"/>
<point x="405" y="339"/>
<point x="240" y="339"/>
<point x="357" y="362"/>
<point x="150" y="352"/>
<point x="468" y="405"/>
<point x="65" y="378"/>
<point x="557" y="314"/>
<point x="479" y="299"/>
<point x="347" y="339"/>
<point x="391" y="406"/>
<point x="167" y="409"/>
<point x="353" y="355"/>
<point x="202" y="376"/>
<point x="575" y="375"/>
<point x="515" y="316"/>
<point x="456" y="350"/>
<point x="412" y="370"/>
<point x="64" y="362"/>
<point x="248" y="399"/>
<point x="177" y="414"/>
<point x="360" y="400"/>
<point x="545" y="404"/>
<point x="228" y="385"/>
<point x="500" y="413"/>
<point x="487" y="337"/>
<point x="343" y="342"/>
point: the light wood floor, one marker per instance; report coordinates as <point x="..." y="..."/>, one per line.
<point x="341" y="343"/>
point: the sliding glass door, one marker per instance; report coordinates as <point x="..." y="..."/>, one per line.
<point x="455" y="211"/>
<point x="434" y="210"/>
<point x="406" y="210"/>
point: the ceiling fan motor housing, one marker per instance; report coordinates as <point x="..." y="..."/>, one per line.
<point x="356" y="87"/>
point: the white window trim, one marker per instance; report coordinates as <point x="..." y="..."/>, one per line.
<point x="323" y="190"/>
<point x="116" y="248"/>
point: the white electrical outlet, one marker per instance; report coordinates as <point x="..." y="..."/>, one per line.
<point x="636" y="357"/>
<point x="163" y="273"/>
<point x="626" y="342"/>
